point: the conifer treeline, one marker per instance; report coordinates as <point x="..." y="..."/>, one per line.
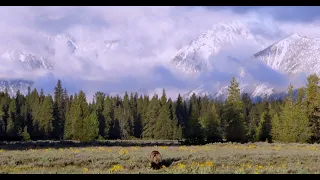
<point x="37" y="116"/>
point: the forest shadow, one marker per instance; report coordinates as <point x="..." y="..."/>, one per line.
<point x="168" y="162"/>
<point x="26" y="145"/>
<point x="165" y="162"/>
<point x="44" y="144"/>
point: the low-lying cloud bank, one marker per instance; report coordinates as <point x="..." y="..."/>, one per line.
<point x="147" y="37"/>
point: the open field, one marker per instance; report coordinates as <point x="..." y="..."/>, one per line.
<point x="253" y="158"/>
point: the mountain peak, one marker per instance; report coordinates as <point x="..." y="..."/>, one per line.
<point x="233" y="24"/>
<point x="28" y="59"/>
<point x="230" y="27"/>
<point x="295" y="35"/>
<point x="293" y="55"/>
<point x="195" y="56"/>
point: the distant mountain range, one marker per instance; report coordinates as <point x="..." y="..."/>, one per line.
<point x="290" y="56"/>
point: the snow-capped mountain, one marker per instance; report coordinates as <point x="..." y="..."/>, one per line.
<point x="60" y="39"/>
<point x="98" y="47"/>
<point x="28" y="60"/>
<point x="12" y="86"/>
<point x="293" y="55"/>
<point x="253" y="90"/>
<point x="34" y="60"/>
<point x="195" y="56"/>
<point x="262" y="90"/>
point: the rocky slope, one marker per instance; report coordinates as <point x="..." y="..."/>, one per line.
<point x="195" y="56"/>
<point x="293" y="55"/>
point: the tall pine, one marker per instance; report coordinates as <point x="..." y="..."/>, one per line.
<point x="265" y="126"/>
<point x="181" y="114"/>
<point x="210" y="123"/>
<point x="81" y="114"/>
<point x="108" y="116"/>
<point x="194" y="133"/>
<point x="46" y="117"/>
<point x="152" y="113"/>
<point x="313" y="106"/>
<point x="235" y="129"/>
<point x="59" y="111"/>
<point x="164" y="124"/>
<point x="99" y="109"/>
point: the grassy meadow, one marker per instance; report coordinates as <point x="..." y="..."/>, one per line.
<point x="255" y="158"/>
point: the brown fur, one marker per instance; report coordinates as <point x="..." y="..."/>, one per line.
<point x="155" y="159"/>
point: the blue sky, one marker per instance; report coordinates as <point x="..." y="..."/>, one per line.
<point x="156" y="33"/>
<point x="282" y="13"/>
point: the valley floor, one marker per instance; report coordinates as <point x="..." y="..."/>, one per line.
<point x="255" y="158"/>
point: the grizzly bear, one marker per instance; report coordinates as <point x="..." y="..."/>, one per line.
<point x="155" y="159"/>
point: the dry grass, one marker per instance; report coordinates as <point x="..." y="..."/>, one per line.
<point x="217" y="158"/>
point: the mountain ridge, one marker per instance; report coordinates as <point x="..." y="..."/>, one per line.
<point x="196" y="56"/>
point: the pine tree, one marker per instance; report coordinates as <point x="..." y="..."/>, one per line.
<point x="25" y="135"/>
<point x="90" y="128"/>
<point x="67" y="125"/>
<point x="177" y="133"/>
<point x="313" y="104"/>
<point x="46" y="117"/>
<point x="108" y="114"/>
<point x="59" y="110"/>
<point x="135" y="115"/>
<point x="67" y="132"/>
<point x="2" y="126"/>
<point x="5" y="101"/>
<point x="210" y="124"/>
<point x="115" y="130"/>
<point x="276" y="128"/>
<point x="35" y="103"/>
<point x="194" y="133"/>
<point x="99" y="109"/>
<point x="247" y="105"/>
<point x="204" y="109"/>
<point x="145" y="108"/>
<point x="139" y="118"/>
<point x="252" y="133"/>
<point x="181" y="114"/>
<point x="73" y="115"/>
<point x="204" y="105"/>
<point x="294" y="120"/>
<point x="302" y="129"/>
<point x="235" y="129"/>
<point x="264" y="129"/>
<point x="12" y="129"/>
<point x="19" y="102"/>
<point x="11" y="132"/>
<point x="164" y="125"/>
<point x="286" y="117"/>
<point x="151" y="118"/>
<point x="28" y="121"/>
<point x="125" y="118"/>
<point x="39" y="116"/>
<point x="79" y="113"/>
<point x="41" y="96"/>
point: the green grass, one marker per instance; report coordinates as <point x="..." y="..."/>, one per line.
<point x="216" y="158"/>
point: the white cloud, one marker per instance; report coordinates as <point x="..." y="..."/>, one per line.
<point x="149" y="37"/>
<point x="306" y="29"/>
